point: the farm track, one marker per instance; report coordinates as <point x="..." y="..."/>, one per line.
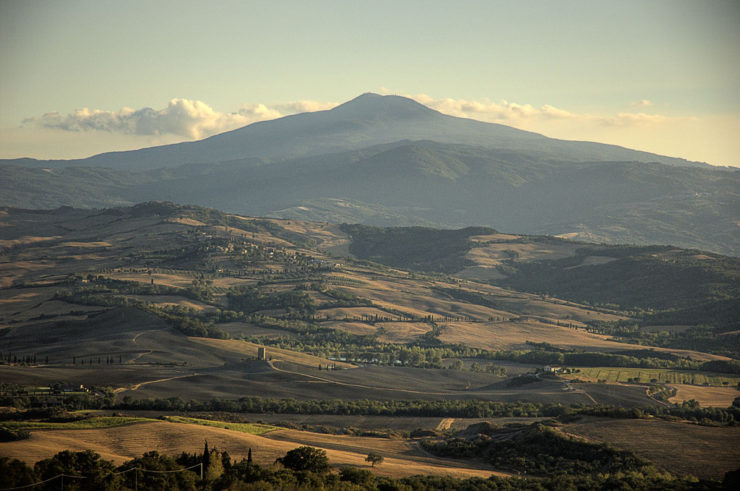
<point x="139" y="385"/>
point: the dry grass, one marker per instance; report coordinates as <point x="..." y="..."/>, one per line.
<point x="172" y="280"/>
<point x="85" y="245"/>
<point x="187" y="221"/>
<point x="402" y="458"/>
<point x="680" y="448"/>
<point x="494" y="253"/>
<point x="402" y="332"/>
<point x="29" y="239"/>
<point x="513" y="335"/>
<point x="173" y="301"/>
<point x="277" y="354"/>
<point x="706" y="396"/>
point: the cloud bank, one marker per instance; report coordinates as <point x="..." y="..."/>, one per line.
<point x="183" y="117"/>
<point x="512" y="113"/>
<point x="195" y="119"/>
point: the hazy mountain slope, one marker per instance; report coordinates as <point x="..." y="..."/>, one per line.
<point x="430" y="183"/>
<point x="388" y="160"/>
<point x="369" y="119"/>
<point x="86" y="187"/>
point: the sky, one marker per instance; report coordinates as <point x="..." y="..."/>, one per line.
<point x="84" y="77"/>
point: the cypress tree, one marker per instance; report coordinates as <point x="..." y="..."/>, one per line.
<point x="206" y="456"/>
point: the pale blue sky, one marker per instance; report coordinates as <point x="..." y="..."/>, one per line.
<point x="595" y="61"/>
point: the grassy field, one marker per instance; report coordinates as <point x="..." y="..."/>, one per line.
<point x="646" y="375"/>
<point x="706" y="396"/>
<point x="250" y="428"/>
<point x="80" y="424"/>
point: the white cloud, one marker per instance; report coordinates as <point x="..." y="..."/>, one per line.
<point x="528" y="116"/>
<point x="183" y="117"/>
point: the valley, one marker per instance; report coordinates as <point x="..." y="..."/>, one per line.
<point x="408" y="336"/>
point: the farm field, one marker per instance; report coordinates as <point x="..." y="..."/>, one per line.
<point x="681" y="448"/>
<point x="402" y="458"/>
<point x="706" y="396"/>
<point x="249" y="428"/>
<point x="648" y="375"/>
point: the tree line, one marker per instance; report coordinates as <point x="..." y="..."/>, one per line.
<point x="300" y="468"/>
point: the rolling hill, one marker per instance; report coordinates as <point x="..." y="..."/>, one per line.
<point x="377" y="339"/>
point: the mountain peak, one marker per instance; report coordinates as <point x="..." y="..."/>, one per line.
<point x="378" y="106"/>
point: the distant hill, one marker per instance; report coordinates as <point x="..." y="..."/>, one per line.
<point x="390" y="161"/>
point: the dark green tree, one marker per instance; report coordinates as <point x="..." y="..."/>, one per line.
<point x="161" y="480"/>
<point x="361" y="477"/>
<point x="14" y="473"/>
<point x="374" y="458"/>
<point x="306" y="459"/>
<point x="206" y="456"/>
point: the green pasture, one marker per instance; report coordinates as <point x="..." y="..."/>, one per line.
<point x="80" y="424"/>
<point x="661" y="375"/>
<point x="251" y="428"/>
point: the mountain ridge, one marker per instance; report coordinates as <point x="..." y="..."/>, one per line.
<point x="366" y="120"/>
<point x="388" y="160"/>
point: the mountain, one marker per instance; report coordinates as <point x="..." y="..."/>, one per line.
<point x="367" y="120"/>
<point x="390" y="161"/>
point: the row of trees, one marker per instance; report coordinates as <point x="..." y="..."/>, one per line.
<point x="467" y="408"/>
<point x="302" y="468"/>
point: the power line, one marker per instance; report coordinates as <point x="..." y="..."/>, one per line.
<point x="150" y="471"/>
<point x="42" y="482"/>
